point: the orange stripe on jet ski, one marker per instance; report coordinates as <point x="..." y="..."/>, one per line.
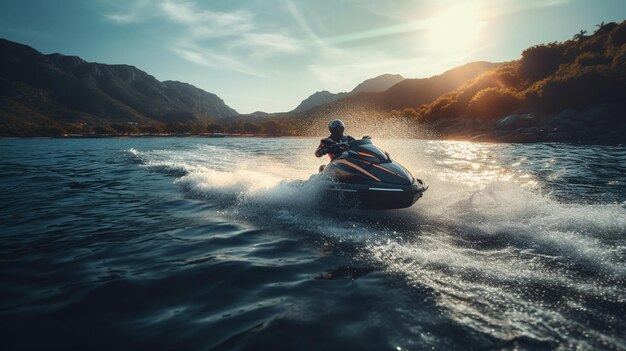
<point x="365" y="154"/>
<point x="357" y="168"/>
<point x="383" y="168"/>
<point x="387" y="170"/>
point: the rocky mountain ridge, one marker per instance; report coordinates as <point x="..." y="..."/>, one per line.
<point x="38" y="88"/>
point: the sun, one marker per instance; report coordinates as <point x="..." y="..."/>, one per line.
<point x="454" y="29"/>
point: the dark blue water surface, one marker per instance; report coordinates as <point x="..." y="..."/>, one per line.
<point x="221" y="244"/>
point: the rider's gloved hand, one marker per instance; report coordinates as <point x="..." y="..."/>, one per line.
<point x="336" y="148"/>
<point x="332" y="149"/>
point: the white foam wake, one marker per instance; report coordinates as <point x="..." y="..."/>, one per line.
<point x="499" y="255"/>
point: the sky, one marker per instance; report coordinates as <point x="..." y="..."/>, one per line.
<point x="269" y="55"/>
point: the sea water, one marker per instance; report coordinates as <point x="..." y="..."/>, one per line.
<point x="223" y="244"/>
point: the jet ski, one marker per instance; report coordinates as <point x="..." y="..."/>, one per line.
<point x="364" y="175"/>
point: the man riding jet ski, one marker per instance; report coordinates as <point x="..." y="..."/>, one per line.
<point x="363" y="174"/>
<point x="333" y="144"/>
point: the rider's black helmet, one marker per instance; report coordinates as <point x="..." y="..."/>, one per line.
<point x="336" y="126"/>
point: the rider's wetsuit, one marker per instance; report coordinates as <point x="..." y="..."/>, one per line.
<point x="327" y="143"/>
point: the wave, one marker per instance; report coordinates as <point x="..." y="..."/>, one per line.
<point x="514" y="263"/>
<point x="499" y="254"/>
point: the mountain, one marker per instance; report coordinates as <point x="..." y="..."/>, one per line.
<point x="372" y="85"/>
<point x="414" y="92"/>
<point x="256" y="115"/>
<point x="365" y="107"/>
<point x="377" y="84"/>
<point x="318" y="98"/>
<point x="37" y="88"/>
<point x="573" y="91"/>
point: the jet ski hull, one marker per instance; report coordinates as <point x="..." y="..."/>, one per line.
<point x="376" y="196"/>
<point x="365" y="176"/>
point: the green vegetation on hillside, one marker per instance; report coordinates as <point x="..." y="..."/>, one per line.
<point x="569" y="91"/>
<point x="579" y="74"/>
<point x="233" y="127"/>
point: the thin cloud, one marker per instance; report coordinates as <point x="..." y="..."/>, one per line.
<point x="497" y="8"/>
<point x="120" y="18"/>
<point x="229" y="40"/>
<point x="296" y="14"/>
<point x="213" y="59"/>
<point x="204" y="23"/>
<point x="192" y="56"/>
<point x="128" y="12"/>
<point x="265" y="45"/>
<point x="404" y="10"/>
<point x="279" y="42"/>
<point x="180" y="12"/>
<point x="379" y="32"/>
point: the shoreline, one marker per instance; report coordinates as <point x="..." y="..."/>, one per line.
<point x="263" y="136"/>
<point x="154" y="136"/>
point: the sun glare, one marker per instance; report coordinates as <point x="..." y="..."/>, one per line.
<point x="454" y="29"/>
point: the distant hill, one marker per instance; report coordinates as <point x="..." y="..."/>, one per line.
<point x="414" y="92"/>
<point x="37" y="88"/>
<point x="377" y="84"/>
<point x="318" y="98"/>
<point x="408" y="93"/>
<point x="372" y="85"/>
<point x="573" y="91"/>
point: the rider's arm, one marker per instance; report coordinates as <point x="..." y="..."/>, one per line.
<point x="323" y="148"/>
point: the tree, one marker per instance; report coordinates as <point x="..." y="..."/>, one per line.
<point x="617" y="37"/>
<point x="104" y="130"/>
<point x="124" y="128"/>
<point x="215" y="128"/>
<point x="235" y="127"/>
<point x="251" y="128"/>
<point x="52" y="130"/>
<point x="196" y="128"/>
<point x="604" y="28"/>
<point x="540" y="61"/>
<point x="177" y="128"/>
<point x="580" y="36"/>
<point x="151" y="129"/>
<point x="272" y="127"/>
<point x="592" y="59"/>
<point x="494" y="102"/>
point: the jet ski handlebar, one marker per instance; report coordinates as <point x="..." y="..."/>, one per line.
<point x="365" y="141"/>
<point x="341" y="146"/>
<point x="345" y="146"/>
